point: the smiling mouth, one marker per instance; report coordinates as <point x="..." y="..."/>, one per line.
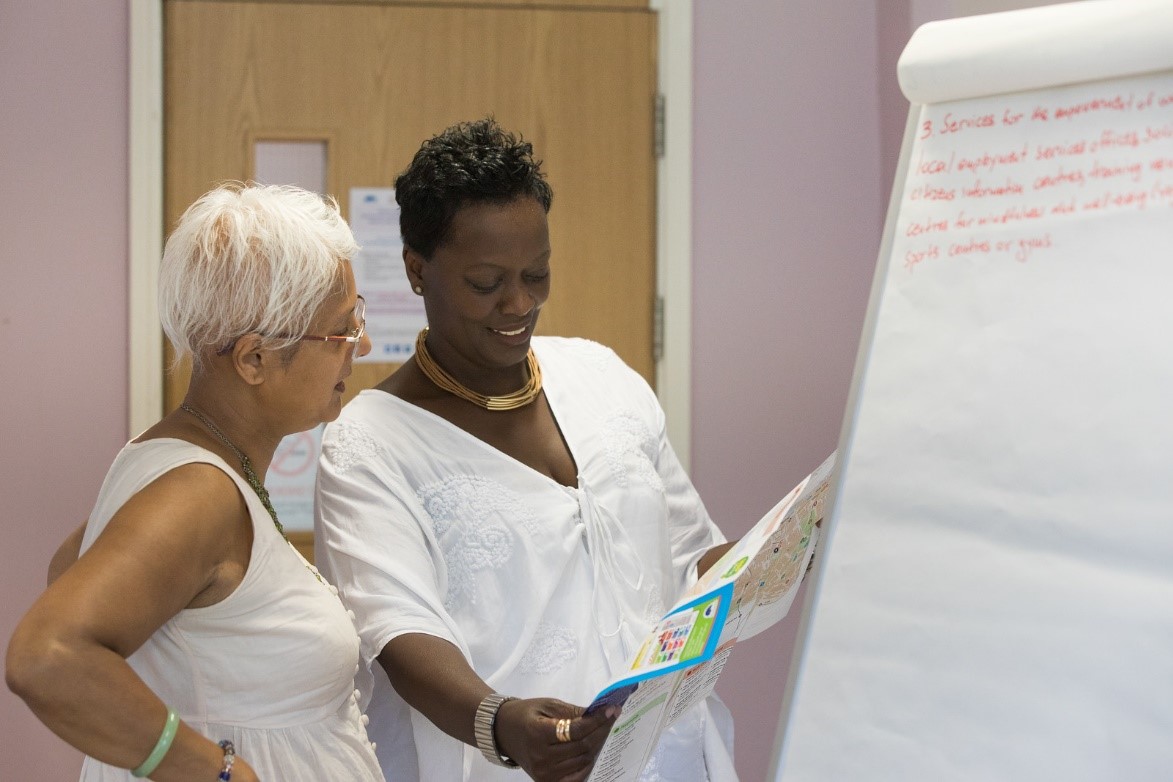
<point x="513" y="333"/>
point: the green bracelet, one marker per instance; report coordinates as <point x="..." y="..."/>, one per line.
<point x="161" y="746"/>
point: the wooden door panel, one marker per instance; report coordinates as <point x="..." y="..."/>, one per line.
<point x="612" y="5"/>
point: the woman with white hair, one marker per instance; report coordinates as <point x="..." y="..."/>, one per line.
<point x="189" y="640"/>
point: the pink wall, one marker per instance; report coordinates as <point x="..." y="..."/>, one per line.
<point x="793" y="155"/>
<point x="63" y="332"/>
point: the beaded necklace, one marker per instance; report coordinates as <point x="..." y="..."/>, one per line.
<point x="519" y="398"/>
<point x="245" y="464"/>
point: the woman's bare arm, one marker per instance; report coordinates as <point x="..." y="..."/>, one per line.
<point x="66" y="553"/>
<point x="183" y="541"/>
<point x="434" y="678"/>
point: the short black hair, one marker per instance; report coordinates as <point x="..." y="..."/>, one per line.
<point x="468" y="163"/>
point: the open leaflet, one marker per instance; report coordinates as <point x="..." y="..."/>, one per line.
<point x="749" y="589"/>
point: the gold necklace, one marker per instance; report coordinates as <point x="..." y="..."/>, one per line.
<point x="519" y="398"/>
<point x="245" y="464"/>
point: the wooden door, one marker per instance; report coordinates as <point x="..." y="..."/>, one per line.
<point x="375" y="79"/>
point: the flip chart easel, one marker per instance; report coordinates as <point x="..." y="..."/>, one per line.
<point x="994" y="597"/>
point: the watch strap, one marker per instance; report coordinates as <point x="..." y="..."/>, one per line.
<point x="483" y="724"/>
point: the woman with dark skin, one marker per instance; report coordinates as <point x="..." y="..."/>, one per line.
<point x="532" y="521"/>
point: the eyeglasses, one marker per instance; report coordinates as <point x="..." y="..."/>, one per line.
<point x="360" y="317"/>
<point x="354" y="337"/>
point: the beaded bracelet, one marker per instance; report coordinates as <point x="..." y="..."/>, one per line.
<point x="161" y="746"/>
<point x="229" y="759"/>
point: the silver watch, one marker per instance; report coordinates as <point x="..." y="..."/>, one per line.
<point x="482" y="728"/>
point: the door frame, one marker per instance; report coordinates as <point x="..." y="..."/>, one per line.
<point x="673" y="217"/>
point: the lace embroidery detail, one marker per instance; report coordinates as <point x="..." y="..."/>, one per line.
<point x="349" y="444"/>
<point x="654" y="609"/>
<point x="466" y="513"/>
<point x="631" y="449"/>
<point x="552" y="647"/>
<point x="600" y="356"/>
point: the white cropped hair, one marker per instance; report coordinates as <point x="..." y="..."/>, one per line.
<point x="248" y="259"/>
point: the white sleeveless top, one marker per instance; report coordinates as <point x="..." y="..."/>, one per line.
<point x="271" y="667"/>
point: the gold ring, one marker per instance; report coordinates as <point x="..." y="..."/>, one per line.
<point x="562" y="730"/>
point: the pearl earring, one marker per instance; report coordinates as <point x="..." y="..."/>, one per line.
<point x="419" y="290"/>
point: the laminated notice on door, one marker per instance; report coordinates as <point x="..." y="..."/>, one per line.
<point x="395" y="314"/>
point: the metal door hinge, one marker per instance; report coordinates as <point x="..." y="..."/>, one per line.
<point x="659" y="122"/>
<point x="658" y="330"/>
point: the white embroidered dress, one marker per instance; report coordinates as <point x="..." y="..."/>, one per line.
<point x="545" y="588"/>
<point x="270" y="667"/>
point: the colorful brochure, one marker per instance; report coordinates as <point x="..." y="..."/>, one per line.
<point x="749" y="589"/>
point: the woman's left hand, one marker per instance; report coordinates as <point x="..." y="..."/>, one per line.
<point x="527" y="731"/>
